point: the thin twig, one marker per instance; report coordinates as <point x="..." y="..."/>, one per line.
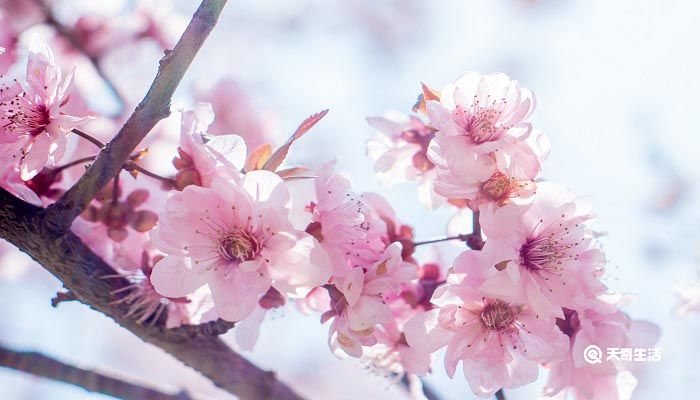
<point x="475" y="241"/>
<point x="74" y="163"/>
<point x="89" y="138"/>
<point x="500" y="395"/>
<point x="92" y="381"/>
<point x="462" y="237"/>
<point x="132" y="166"/>
<point x="428" y="391"/>
<point x="154" y="107"/>
<point x="60" y="297"/>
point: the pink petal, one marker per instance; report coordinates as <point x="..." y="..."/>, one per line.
<point x="173" y="277"/>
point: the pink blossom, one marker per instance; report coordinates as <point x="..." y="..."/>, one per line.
<point x="200" y="158"/>
<point x="34" y="129"/>
<point x="8" y="41"/>
<point x="235" y="112"/>
<point x="484" y="149"/>
<point x="248" y="329"/>
<point x="396" y="231"/>
<point x="392" y="356"/>
<point x="344" y="223"/>
<point x="487" y="112"/>
<point x="546" y="249"/>
<point x="10" y="181"/>
<point x="235" y="238"/>
<point x="400" y="154"/>
<point x="499" y="339"/>
<point x="598" y="381"/>
<point x="359" y="301"/>
<point x="689" y="298"/>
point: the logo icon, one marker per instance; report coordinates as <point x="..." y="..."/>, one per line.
<point x="593" y="355"/>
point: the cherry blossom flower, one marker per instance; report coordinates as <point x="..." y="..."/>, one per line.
<point x="499" y="339"/>
<point x="609" y="329"/>
<point x="547" y="249"/>
<point x="235" y="238"/>
<point x="396" y="231"/>
<point x="200" y="158"/>
<point x="484" y="148"/>
<point x="400" y="154"/>
<point x="358" y="301"/>
<point x="33" y="127"/>
<point x="344" y="223"/>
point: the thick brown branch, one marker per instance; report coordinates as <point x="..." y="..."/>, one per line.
<point x="64" y="255"/>
<point x="154" y="107"/>
<point x="92" y="381"/>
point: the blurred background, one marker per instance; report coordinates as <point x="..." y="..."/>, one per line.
<point x="616" y="85"/>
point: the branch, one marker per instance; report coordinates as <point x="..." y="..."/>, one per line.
<point x="474" y="240"/>
<point x="92" y="381"/>
<point x="428" y="391"/>
<point x="154" y="107"/>
<point x="79" y="269"/>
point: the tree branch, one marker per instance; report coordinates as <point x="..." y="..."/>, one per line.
<point x="154" y="107"/>
<point x="92" y="381"/>
<point x="79" y="269"/>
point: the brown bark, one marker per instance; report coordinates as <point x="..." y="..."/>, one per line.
<point x="64" y="255"/>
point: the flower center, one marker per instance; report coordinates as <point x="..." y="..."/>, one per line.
<point x="547" y="252"/>
<point x="497" y="316"/>
<point x="480" y="122"/>
<point x="238" y="246"/>
<point x="32" y="120"/>
<point x="498" y="187"/>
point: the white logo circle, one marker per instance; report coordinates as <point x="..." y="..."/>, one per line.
<point x="593" y="355"/>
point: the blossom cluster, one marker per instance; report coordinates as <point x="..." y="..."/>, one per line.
<point x="231" y="232"/>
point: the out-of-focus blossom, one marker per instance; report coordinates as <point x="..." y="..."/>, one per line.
<point x="117" y="215"/>
<point x="235" y="112"/>
<point x="33" y="128"/>
<point x="10" y="181"/>
<point x="237" y="239"/>
<point x="689" y="296"/>
<point x="400" y="154"/>
<point x="8" y="40"/>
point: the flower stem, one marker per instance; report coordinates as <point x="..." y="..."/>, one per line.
<point x="499" y="394"/>
<point x="132" y="166"/>
<point x="462" y="237"/>
<point x="74" y="163"/>
<point x="89" y="138"/>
